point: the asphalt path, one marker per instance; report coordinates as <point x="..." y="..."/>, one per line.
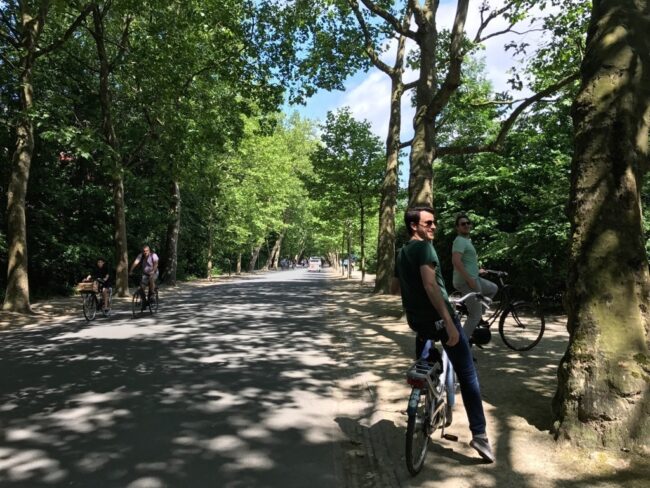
<point x="243" y="383"/>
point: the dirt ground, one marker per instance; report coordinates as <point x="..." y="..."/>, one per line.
<point x="517" y="390"/>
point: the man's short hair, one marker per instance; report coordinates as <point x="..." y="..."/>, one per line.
<point x="412" y="216"/>
<point x="460" y="216"/>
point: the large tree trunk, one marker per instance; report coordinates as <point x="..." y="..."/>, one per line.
<point x="121" y="253"/>
<point x="255" y="253"/>
<point x="211" y="248"/>
<point x="238" y="267"/>
<point x="389" y="188"/>
<point x="362" y="241"/>
<point x="420" y="188"/>
<point x="26" y="44"/>
<point x="108" y="130"/>
<point x="603" y="396"/>
<point x="274" y="256"/>
<point x="17" y="295"/>
<point x="432" y="96"/>
<point x="170" y="264"/>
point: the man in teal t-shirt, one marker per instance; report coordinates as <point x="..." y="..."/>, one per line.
<point x="419" y="281"/>
<point x="466" y="273"/>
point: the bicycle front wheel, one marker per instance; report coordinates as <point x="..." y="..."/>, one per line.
<point x="521" y="326"/>
<point x="417" y="435"/>
<point x="137" y="303"/>
<point x="90" y="306"/>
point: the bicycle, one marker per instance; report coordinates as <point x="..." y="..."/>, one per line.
<point x="521" y="323"/>
<point x="141" y="301"/>
<point x="427" y="405"/>
<point x="90" y="302"/>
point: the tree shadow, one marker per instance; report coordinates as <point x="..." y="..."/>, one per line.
<point x="230" y="385"/>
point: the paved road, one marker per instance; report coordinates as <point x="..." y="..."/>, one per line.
<point x="235" y="384"/>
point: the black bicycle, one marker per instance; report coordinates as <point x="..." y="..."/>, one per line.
<point x="521" y="323"/>
<point x="143" y="301"/>
<point x="93" y="299"/>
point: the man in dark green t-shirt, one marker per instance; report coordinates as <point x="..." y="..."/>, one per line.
<point x="419" y="281"/>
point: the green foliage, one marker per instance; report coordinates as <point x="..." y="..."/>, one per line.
<point x="517" y="202"/>
<point x="348" y="170"/>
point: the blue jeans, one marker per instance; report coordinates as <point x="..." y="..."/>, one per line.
<point x="460" y="356"/>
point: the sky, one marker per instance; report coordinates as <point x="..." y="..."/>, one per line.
<point x="368" y="93"/>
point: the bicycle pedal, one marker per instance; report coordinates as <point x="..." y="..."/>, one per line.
<point x="450" y="437"/>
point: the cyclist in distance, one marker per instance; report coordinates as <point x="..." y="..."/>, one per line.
<point x="418" y="278"/>
<point x="102" y="275"/>
<point x="466" y="277"/>
<point x="149" y="262"/>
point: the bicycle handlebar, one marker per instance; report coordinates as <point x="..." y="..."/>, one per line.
<point x="496" y="273"/>
<point x="485" y="300"/>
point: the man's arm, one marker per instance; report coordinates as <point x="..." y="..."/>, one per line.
<point x="136" y="261"/>
<point x="428" y="273"/>
<point x="395" y="287"/>
<point x="155" y="265"/>
<point x="457" y="261"/>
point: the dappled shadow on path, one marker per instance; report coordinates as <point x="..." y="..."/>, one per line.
<point x="517" y="389"/>
<point x="230" y="385"/>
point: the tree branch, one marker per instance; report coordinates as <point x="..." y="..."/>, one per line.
<point x="497" y="145"/>
<point x="509" y="122"/>
<point x="485" y="21"/>
<point x="388" y="17"/>
<point x="66" y="35"/>
<point x="370" y="50"/>
<point x="410" y="85"/>
<point x="123" y="44"/>
<point x="10" y="27"/>
<point x="405" y="144"/>
<point x="452" y="80"/>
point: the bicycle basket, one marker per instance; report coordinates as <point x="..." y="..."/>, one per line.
<point x="87" y="287"/>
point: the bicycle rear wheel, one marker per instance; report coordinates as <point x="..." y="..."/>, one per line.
<point x="417" y="434"/>
<point x="90" y="306"/>
<point x="521" y="326"/>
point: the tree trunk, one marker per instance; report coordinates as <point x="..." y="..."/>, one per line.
<point x="238" y="268"/>
<point x="108" y="130"/>
<point x="432" y="96"/>
<point x="603" y="396"/>
<point x="210" y="247"/>
<point x="121" y="253"/>
<point x="170" y="264"/>
<point x="389" y="188"/>
<point x="362" y="240"/>
<point x="274" y="258"/>
<point x="255" y="253"/>
<point x="17" y="294"/>
<point x="349" y="242"/>
<point x="420" y="191"/>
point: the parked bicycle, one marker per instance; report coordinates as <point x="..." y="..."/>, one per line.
<point x="427" y="406"/>
<point x="93" y="299"/>
<point x="143" y="301"/>
<point x="521" y="323"/>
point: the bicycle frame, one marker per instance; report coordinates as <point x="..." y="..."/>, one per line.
<point x="502" y="300"/>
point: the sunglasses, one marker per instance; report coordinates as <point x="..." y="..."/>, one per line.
<point x="467" y="222"/>
<point x="428" y="223"/>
